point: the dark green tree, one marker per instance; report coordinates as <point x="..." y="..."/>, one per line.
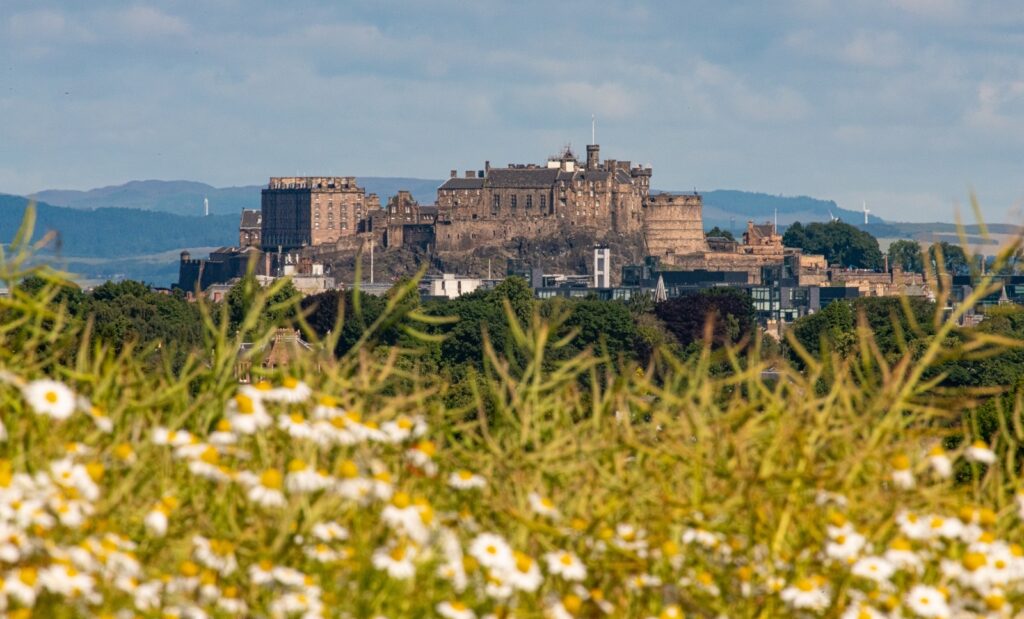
<point x="954" y="259"/>
<point x="730" y="310"/>
<point x="716" y="231"/>
<point x="839" y="242"/>
<point x="281" y="307"/>
<point x="907" y="255"/>
<point x="835" y="327"/>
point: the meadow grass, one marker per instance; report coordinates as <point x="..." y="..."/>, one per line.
<point x="345" y="487"/>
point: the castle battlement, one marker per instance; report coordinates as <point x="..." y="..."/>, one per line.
<point x="332" y="183"/>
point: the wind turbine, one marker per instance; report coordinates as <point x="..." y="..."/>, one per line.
<point x="866" y="211"/>
<point x="832" y="217"/>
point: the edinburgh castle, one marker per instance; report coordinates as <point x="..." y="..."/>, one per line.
<point x="551" y="215"/>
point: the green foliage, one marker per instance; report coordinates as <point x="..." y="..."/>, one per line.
<point x="839" y="242"/>
<point x="906" y="255"/>
<point x="894" y="330"/>
<point x="730" y="312"/>
<point x="721" y="488"/>
<point x="281" y="305"/>
<point x="951" y="257"/>
<point x="716" y="231"/>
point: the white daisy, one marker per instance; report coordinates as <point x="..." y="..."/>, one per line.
<point x="980" y="452"/>
<point x="329" y="531"/>
<point x="101" y="419"/>
<point x="543" y="505"/>
<point x="218" y="555"/>
<point x="66" y="580"/>
<point x="222" y="434"/>
<point x="246" y="414"/>
<point x="902" y="475"/>
<point x="873" y="568"/>
<point x="49" y="397"/>
<point x="566" y="564"/>
<point x="156" y="520"/>
<point x="304" y="479"/>
<point x="291" y="391"/>
<point x="358" y="489"/>
<point x="492" y="551"/>
<point x="466" y="480"/>
<point x="296" y="426"/>
<point x="404" y="428"/>
<point x="396" y="561"/>
<point x="267" y="489"/>
<point x="940" y="462"/>
<point x="455" y="610"/>
<point x="174" y="438"/>
<point x="806" y="593"/>
<point x="927" y="601"/>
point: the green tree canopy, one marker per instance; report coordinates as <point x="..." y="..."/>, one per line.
<point x="954" y="259"/>
<point x="280" y="308"/>
<point x="716" y="231"/>
<point x="907" y="255"/>
<point x="839" y="242"/>
<point x="835" y="327"/>
<point x="730" y="310"/>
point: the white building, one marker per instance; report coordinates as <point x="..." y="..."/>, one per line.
<point x="602" y="267"/>
<point x="451" y="286"/>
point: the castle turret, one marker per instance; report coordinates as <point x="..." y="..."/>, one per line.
<point x="593" y="156"/>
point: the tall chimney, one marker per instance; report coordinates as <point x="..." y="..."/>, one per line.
<point x="454" y="173"/>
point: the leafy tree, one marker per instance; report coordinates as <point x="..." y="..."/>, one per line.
<point x="602" y="325"/>
<point x="839" y="242"/>
<point x="835" y="327"/>
<point x="280" y="308"/>
<point x="716" y="231"/>
<point x="321" y="311"/>
<point x="907" y="255"/>
<point x="519" y="295"/>
<point x="730" y="310"/>
<point x="954" y="258"/>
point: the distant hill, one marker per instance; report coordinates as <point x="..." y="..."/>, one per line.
<point x="179" y="197"/>
<point x="186" y="197"/>
<point x="117" y="232"/>
<point x="728" y="208"/>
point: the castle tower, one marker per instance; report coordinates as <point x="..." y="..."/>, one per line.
<point x="593" y="156"/>
<point x="674" y="224"/>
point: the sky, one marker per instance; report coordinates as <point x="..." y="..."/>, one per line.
<point x="909" y="105"/>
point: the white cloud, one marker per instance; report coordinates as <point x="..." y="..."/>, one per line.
<point x="46" y="26"/>
<point x="142" y="22"/>
<point x="999" y="107"/>
<point x="875" y="49"/>
<point x="930" y="8"/>
<point x="608" y="99"/>
<point x="719" y="88"/>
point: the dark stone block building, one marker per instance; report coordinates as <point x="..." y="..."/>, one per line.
<point x="496" y="205"/>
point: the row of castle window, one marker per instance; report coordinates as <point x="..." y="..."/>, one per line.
<point x="514" y="202"/>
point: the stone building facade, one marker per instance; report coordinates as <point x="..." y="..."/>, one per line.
<point x="674" y="224"/>
<point x="250" y="228"/>
<point x="761" y="247"/>
<point x="496" y="205"/>
<point x="302" y="211"/>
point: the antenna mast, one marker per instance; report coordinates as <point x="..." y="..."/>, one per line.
<point x="593" y="129"/>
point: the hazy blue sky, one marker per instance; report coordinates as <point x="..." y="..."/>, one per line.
<point x="904" y="103"/>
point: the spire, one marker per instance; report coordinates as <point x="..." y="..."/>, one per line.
<point x="660" y="293"/>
